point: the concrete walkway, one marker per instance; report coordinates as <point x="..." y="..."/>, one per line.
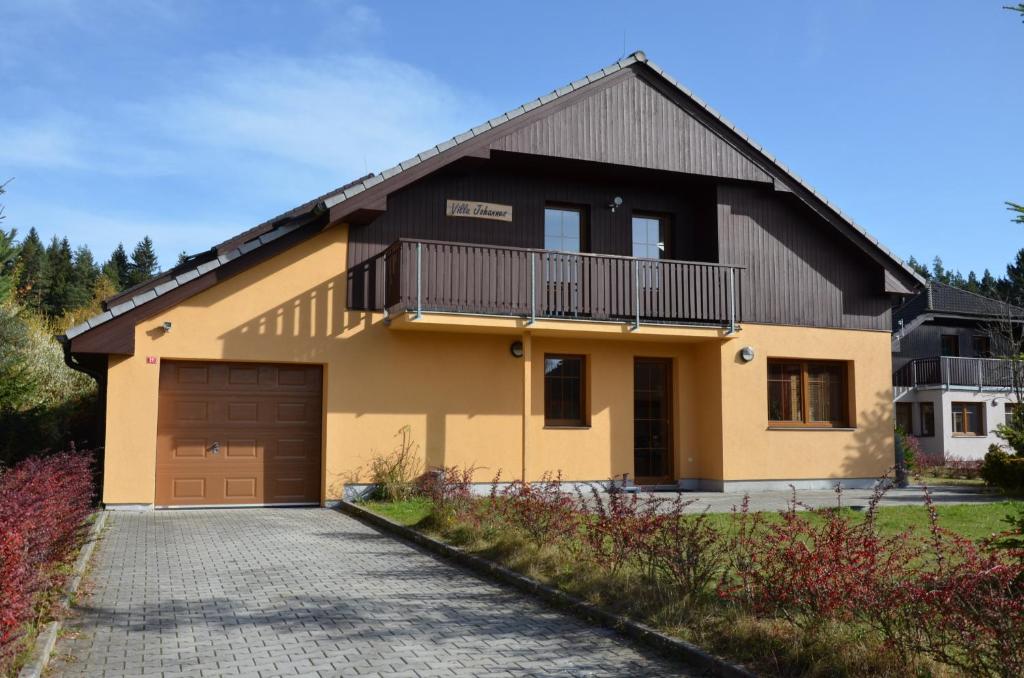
<point x="285" y="592"/>
<point x="721" y="502"/>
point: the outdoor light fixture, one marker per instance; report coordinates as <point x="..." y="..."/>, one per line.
<point x="516" y="349"/>
<point x="167" y="326"/>
<point x="747" y="354"/>
<point x="616" y="202"/>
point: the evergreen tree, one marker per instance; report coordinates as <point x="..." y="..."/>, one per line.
<point x="182" y="258"/>
<point x="920" y="268"/>
<point x="939" y="272"/>
<point x="83" y="279"/>
<point x="972" y="284"/>
<point x="57" y="297"/>
<point x="117" y="268"/>
<point x="1011" y="287"/>
<point x="144" y="264"/>
<point x="8" y="261"/>
<point x="988" y="283"/>
<point x="32" y="270"/>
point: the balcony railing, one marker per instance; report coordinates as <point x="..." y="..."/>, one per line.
<point x="947" y="371"/>
<point x="421" y="276"/>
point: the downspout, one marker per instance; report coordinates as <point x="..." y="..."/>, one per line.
<point x="101" y="389"/>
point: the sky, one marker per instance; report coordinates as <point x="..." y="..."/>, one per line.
<point x="190" y="121"/>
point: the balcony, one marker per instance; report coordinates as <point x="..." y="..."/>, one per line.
<point x="421" y="277"/>
<point x="952" y="372"/>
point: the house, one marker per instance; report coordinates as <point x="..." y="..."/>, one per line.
<point x="610" y="279"/>
<point x="952" y="389"/>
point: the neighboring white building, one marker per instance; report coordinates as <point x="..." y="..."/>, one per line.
<point x="950" y="392"/>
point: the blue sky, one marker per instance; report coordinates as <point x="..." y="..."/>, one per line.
<point x="191" y="121"/>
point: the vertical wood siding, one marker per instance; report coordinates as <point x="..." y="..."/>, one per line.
<point x="798" y="271"/>
<point x="634" y="123"/>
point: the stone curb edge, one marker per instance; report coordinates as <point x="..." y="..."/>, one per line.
<point x="636" y="631"/>
<point x="47" y="640"/>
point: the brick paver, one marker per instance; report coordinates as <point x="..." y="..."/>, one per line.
<point x="286" y="592"/>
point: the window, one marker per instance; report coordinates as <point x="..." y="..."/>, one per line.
<point x="1009" y="409"/>
<point x="564" y="384"/>
<point x="950" y="345"/>
<point x="564" y="229"/>
<point x="982" y="346"/>
<point x="968" y="419"/>
<point x="807" y="393"/>
<point x="649" y="237"/>
<point x="926" y="415"/>
<point x="905" y="418"/>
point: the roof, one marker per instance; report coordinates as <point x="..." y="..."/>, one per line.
<point x="270" y="230"/>
<point x="939" y="299"/>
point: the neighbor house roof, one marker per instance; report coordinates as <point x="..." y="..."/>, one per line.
<point x="334" y="202"/>
<point x="939" y="299"/>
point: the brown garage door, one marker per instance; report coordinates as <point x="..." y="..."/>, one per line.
<point x="238" y="433"/>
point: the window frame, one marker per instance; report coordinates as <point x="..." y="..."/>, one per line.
<point x="664" y="233"/>
<point x="907" y="408"/>
<point x="929" y="431"/>
<point x="1008" y="411"/>
<point x="846" y="422"/>
<point x="942" y="345"/>
<point x="584" y="419"/>
<point x="963" y="406"/>
<point x="985" y="342"/>
<point x="584" y="214"/>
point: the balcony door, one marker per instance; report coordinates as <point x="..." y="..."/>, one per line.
<point x="652" y="420"/>
<point x="565" y="236"/>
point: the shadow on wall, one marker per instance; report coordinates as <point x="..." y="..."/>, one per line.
<point x="426" y="379"/>
<point x="873" y="452"/>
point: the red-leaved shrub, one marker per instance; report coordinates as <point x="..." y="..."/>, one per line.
<point x="44" y="502"/>
<point x="541" y="510"/>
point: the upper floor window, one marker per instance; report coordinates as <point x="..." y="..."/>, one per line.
<point x="950" y="345"/>
<point x="564" y="229"/>
<point x="649" y="236"/>
<point x="982" y="346"/>
<point x="807" y="393"/>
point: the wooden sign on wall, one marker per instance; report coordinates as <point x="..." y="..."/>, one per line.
<point x="479" y="210"/>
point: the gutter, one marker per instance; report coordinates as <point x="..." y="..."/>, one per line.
<point x="100" y="376"/>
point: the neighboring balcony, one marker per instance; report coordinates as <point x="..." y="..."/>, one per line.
<point x="422" y="277"/>
<point x="952" y="372"/>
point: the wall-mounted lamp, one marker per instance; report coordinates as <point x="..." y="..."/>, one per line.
<point x="615" y="202"/>
<point x="516" y="349"/>
<point x="167" y="326"/>
<point x="747" y="354"/>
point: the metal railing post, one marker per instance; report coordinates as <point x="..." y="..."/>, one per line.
<point x="732" y="300"/>
<point x="944" y="366"/>
<point x="981" y="377"/>
<point x="419" y="280"/>
<point x="636" y="293"/>
<point x="533" y="288"/>
<point x="913" y="373"/>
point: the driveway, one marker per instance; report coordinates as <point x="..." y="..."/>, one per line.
<point x="285" y="592"/>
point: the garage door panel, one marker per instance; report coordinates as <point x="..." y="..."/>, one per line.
<point x="268" y="441"/>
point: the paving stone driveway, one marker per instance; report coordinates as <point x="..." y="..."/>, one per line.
<point x="285" y="592"/>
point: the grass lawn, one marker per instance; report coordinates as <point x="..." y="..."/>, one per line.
<point x="974" y="521"/>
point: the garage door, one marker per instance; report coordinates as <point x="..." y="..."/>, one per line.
<point x="238" y="433"/>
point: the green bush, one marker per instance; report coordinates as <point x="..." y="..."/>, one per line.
<point x="1005" y="471"/>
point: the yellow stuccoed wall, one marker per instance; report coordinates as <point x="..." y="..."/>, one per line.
<point x="463" y="393"/>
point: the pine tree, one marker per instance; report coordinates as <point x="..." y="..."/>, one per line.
<point x="57" y="297"/>
<point x="972" y="284"/>
<point x="144" y="263"/>
<point x="1011" y="287"/>
<point x="32" y="270"/>
<point x="83" y="278"/>
<point x="939" y="272"/>
<point x="8" y="263"/>
<point x="117" y="268"/>
<point x="182" y="258"/>
<point x="920" y="268"/>
<point x="988" y="283"/>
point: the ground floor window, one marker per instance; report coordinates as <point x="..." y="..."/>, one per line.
<point x="905" y="418"/>
<point x="927" y="419"/>
<point x="564" y="390"/>
<point x="1009" y="409"/>
<point x="968" y="419"/>
<point x="804" y="393"/>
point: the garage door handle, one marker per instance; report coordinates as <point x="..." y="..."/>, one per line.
<point x="215" y="448"/>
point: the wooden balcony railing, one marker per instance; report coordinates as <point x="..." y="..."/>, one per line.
<point x="421" y="276"/>
<point x="980" y="373"/>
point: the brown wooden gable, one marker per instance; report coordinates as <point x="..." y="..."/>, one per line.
<point x="637" y="123"/>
